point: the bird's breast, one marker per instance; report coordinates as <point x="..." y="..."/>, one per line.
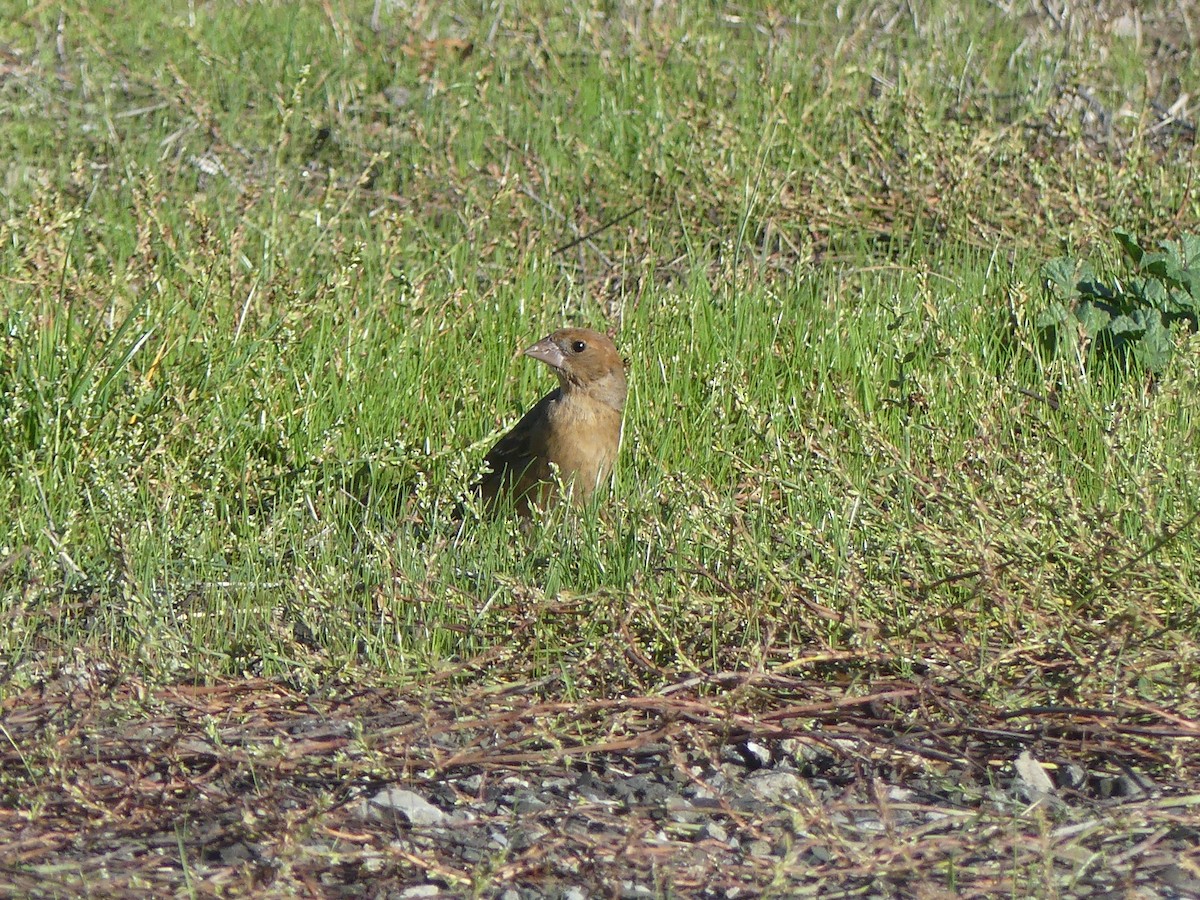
<point x="585" y="438"/>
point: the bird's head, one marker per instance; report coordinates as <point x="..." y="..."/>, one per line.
<point x="584" y="360"/>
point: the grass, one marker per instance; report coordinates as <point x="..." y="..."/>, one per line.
<point x="282" y="249"/>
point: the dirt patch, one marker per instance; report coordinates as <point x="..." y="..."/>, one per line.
<point x="714" y="787"/>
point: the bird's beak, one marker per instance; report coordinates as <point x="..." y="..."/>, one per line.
<point x="548" y="352"/>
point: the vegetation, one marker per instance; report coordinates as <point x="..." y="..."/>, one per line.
<point x="1130" y="320"/>
<point x="267" y="267"/>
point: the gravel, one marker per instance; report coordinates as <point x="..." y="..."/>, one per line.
<point x="250" y="789"/>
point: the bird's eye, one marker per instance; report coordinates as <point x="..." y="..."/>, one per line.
<point x="578" y="347"/>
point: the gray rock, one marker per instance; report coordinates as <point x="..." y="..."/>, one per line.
<point x="715" y="832"/>
<point x="749" y="754"/>
<point x="758" y="753"/>
<point x="399" y="805"/>
<point x="759" y="849"/>
<point x="1072" y="776"/>
<point x="1032" y="782"/>
<point x="236" y="853"/>
<point x="527" y="806"/>
<point x="776" y="787"/>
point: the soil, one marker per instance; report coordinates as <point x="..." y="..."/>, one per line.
<point x="720" y="786"/>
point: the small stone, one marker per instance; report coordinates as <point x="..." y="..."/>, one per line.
<point x="715" y="832"/>
<point x="526" y="835"/>
<point x="396" y="804"/>
<point x="871" y="824"/>
<point x="1181" y="880"/>
<point x="373" y="865"/>
<point x="628" y="789"/>
<point x="632" y="891"/>
<point x="656" y="793"/>
<point x="1129" y="788"/>
<point x="758" y="753"/>
<point x="759" y="849"/>
<point x="527" y="806"/>
<point x="1071" y="776"/>
<point x="236" y="853"/>
<point x="685" y="817"/>
<point x="750" y="755"/>
<point x="1032" y="780"/>
<point x="775" y="786"/>
<point x="820" y="855"/>
<point x="1126" y="26"/>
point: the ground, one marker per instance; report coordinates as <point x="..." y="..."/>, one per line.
<point x="895" y="592"/>
<point x="733" y="785"/>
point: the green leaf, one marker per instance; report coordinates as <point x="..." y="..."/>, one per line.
<point x="1089" y="288"/>
<point x="1128" y="325"/>
<point x="1188" y="295"/>
<point x="1148" y="293"/>
<point x="1130" y="245"/>
<point x="1159" y="264"/>
<point x="1092" y="318"/>
<point x="1053" y="317"/>
<point x="1177" y="303"/>
<point x="1061" y="278"/>
<point x="1154" y="349"/>
<point x="1170" y="249"/>
<point x="1189" y="245"/>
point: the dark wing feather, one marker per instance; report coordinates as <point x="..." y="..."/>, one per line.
<point x="518" y="461"/>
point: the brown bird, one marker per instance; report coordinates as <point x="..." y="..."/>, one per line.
<point x="575" y="429"/>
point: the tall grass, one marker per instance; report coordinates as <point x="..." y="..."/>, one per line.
<point x="268" y="272"/>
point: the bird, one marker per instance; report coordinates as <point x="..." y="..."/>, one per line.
<point x="570" y="437"/>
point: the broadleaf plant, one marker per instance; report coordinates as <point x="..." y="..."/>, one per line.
<point x="1131" y="320"/>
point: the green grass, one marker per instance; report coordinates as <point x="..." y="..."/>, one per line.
<point x="259" y="257"/>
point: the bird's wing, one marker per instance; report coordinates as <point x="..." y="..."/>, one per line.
<point x="519" y="459"/>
